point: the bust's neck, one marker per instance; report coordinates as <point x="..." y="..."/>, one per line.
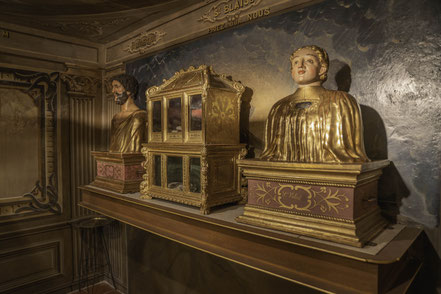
<point x="308" y="94"/>
<point x="313" y="84"/>
<point x="129" y="106"/>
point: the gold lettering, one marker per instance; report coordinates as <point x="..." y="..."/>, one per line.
<point x="5" y="34"/>
<point x="216" y="12"/>
<point x="226" y="10"/>
<point x="258" y="14"/>
<point x="245" y="2"/>
<point x="237" y="5"/>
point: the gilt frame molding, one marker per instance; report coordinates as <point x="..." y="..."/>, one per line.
<point x="43" y="198"/>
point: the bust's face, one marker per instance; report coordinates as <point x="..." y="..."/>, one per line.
<point x="119" y="92"/>
<point x="117" y="88"/>
<point x="306" y="68"/>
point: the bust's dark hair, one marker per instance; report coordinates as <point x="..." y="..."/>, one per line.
<point x="129" y="82"/>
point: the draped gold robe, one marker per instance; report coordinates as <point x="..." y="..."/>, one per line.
<point x="315" y="125"/>
<point x="127" y="134"/>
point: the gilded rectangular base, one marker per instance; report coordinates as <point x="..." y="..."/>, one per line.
<point x="336" y="202"/>
<point x="119" y="172"/>
<point x="354" y="233"/>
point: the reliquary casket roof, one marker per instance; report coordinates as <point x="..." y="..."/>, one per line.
<point x="196" y="77"/>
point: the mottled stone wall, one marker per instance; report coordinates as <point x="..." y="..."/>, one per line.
<point x="386" y="53"/>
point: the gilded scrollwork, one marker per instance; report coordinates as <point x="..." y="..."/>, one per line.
<point x="41" y="88"/>
<point x="326" y="199"/>
<point x="50" y="202"/>
<point x="145" y="41"/>
<point x="204" y="173"/>
<point x="44" y="195"/>
<point x="144" y="186"/>
<point x="223" y="112"/>
<point x="80" y="85"/>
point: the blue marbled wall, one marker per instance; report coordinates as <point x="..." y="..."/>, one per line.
<point x="386" y="53"/>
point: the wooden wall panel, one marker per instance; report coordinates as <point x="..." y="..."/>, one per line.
<point x="36" y="261"/>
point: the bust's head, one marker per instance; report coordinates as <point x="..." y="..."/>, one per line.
<point x="123" y="87"/>
<point x="309" y="66"/>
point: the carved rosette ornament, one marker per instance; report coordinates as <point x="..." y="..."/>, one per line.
<point x="145" y="41"/>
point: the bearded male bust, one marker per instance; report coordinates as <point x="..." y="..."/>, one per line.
<point x="128" y="128"/>
<point x="120" y="168"/>
<point x="314" y="124"/>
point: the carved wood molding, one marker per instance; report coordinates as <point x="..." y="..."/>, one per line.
<point x="81" y="86"/>
<point x="90" y="28"/>
<point x="43" y="198"/>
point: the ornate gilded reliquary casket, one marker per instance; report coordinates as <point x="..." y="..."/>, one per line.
<point x="193" y="139"/>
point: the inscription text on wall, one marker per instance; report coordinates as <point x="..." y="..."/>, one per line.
<point x="228" y="9"/>
<point x="250" y="16"/>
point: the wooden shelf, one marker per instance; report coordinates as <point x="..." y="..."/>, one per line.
<point x="387" y="267"/>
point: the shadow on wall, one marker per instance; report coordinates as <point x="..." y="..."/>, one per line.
<point x="391" y="187"/>
<point x="245" y="133"/>
<point x="140" y="100"/>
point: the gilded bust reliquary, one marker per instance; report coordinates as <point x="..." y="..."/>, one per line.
<point x="313" y="177"/>
<point x="193" y="139"/>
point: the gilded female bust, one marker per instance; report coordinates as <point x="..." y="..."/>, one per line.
<point x="314" y="124"/>
<point x="128" y="128"/>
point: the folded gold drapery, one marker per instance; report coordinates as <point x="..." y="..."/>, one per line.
<point x="127" y="134"/>
<point x="315" y="125"/>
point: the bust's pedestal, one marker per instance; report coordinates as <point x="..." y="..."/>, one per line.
<point x="336" y="202"/>
<point x="119" y="172"/>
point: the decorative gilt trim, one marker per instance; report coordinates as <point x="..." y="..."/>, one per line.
<point x="155" y="89"/>
<point x="204" y="181"/>
<point x="145" y="184"/>
<point x="37" y="205"/>
<point x="164" y="196"/>
<point x="242" y="180"/>
<point x="303" y="182"/>
<point x="325" y="198"/>
<point x="44" y="196"/>
<point x="349" y="221"/>
<point x="145" y="41"/>
<point x="207" y="71"/>
<point x="80" y="86"/>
